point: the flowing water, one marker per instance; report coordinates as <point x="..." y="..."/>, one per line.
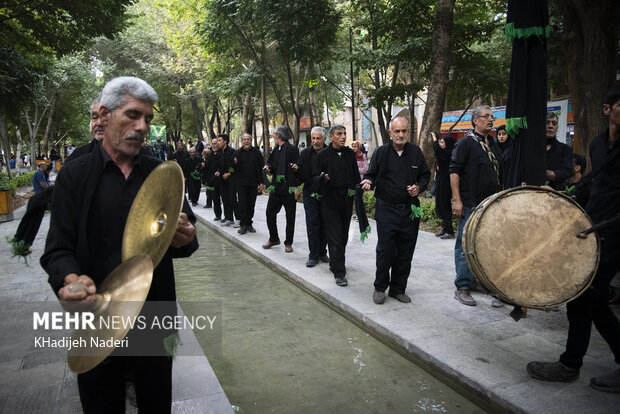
<point x="284" y="351"/>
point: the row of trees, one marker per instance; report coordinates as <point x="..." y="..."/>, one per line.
<point x="219" y="64"/>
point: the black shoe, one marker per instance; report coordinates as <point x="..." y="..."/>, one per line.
<point x="217" y="219"/>
<point x="440" y="233"/>
<point x="251" y="229"/>
<point x="242" y="230"/>
<point x="552" y="371"/>
<point x="401" y="297"/>
<point x="324" y="258"/>
<point x="447" y="236"/>
<point x="607" y="383"/>
<point x="341" y="281"/>
<point x="207" y="207"/>
<point x="312" y="262"/>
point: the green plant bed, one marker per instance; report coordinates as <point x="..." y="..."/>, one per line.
<point x="24" y="180"/>
<point x="430" y="219"/>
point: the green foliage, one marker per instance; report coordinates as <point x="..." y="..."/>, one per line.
<point x="24" y="180"/>
<point x="59" y="26"/>
<point x="369" y="203"/>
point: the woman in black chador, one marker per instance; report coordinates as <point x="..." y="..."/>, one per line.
<point x="443" y="153"/>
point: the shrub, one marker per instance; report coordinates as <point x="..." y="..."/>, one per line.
<point x="24" y="180"/>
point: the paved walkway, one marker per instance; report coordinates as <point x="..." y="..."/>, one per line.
<point x="481" y="350"/>
<point x="37" y="381"/>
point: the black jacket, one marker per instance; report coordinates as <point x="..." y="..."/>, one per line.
<point x="477" y="176"/>
<point x="249" y="166"/>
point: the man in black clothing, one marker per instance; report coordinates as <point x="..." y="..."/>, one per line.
<point x="282" y="188"/>
<point x="559" y="156"/>
<point x="159" y="148"/>
<point x="212" y="178"/>
<point x="226" y="172"/>
<point x="593" y="305"/>
<point x="180" y="155"/>
<point x="399" y="173"/>
<point x="336" y="178"/>
<point x="315" y="229"/>
<point x="443" y="194"/>
<point x="191" y="171"/>
<point x="91" y="201"/>
<point x="249" y="181"/>
<point x="474" y="175"/>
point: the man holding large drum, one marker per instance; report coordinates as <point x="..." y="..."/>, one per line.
<point x="592" y="305"/>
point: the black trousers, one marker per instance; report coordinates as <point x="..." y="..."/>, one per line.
<point x="209" y="194"/>
<point x="217" y="197"/>
<point x="336" y="211"/>
<point x="317" y="241"/>
<point x="397" y="236"/>
<point x="593" y="306"/>
<point x="274" y="205"/>
<point x="102" y="389"/>
<point x="247" y="200"/>
<point x="229" y="200"/>
<point x="443" y="205"/>
<point x="193" y="190"/>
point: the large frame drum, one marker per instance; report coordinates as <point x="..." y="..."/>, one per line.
<point x="521" y="244"/>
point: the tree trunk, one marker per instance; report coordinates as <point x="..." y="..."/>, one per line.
<point x="50" y="118"/>
<point x="197" y="117"/>
<point x="590" y="41"/>
<point x="265" y="119"/>
<point x="438" y="85"/>
<point x="18" y="150"/>
<point x="4" y="136"/>
<point x="247" y="114"/>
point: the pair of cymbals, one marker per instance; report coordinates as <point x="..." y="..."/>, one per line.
<point x="149" y="229"/>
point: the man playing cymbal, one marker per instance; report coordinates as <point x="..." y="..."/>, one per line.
<point x="90" y="205"/>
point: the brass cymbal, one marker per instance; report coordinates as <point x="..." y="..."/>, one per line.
<point x="119" y="297"/>
<point x="153" y="217"/>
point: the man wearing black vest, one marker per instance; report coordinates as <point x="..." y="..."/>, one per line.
<point x="336" y="179"/>
<point x="399" y="173"/>
<point x="282" y="188"/>
<point x="249" y="181"/>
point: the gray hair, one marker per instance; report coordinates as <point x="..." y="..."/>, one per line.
<point x="477" y="111"/>
<point x="95" y="102"/>
<point x="551" y="114"/>
<point x="335" y="128"/>
<point x="318" y="129"/>
<point x="401" y="117"/>
<point x="115" y="92"/>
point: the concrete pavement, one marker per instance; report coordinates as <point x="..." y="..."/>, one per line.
<point x="39" y="381"/>
<point x="480" y="350"/>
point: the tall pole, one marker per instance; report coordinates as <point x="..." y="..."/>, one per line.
<point x="352" y="83"/>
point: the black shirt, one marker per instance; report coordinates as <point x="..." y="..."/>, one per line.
<point x="477" y="176"/>
<point x="249" y="166"/>
<point x="559" y="159"/>
<point x="307" y="163"/>
<point x="392" y="173"/>
<point x="341" y="166"/>
<point x="107" y="216"/>
<point x="604" y="202"/>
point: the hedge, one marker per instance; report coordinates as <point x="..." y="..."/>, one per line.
<point x="24" y="180"/>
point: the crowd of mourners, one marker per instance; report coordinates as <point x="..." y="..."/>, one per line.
<point x="99" y="181"/>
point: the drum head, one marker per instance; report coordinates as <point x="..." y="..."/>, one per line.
<point x="522" y="245"/>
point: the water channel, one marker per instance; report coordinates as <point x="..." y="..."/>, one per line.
<point x="284" y="351"/>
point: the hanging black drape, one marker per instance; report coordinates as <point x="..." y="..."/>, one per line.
<point x="527" y="29"/>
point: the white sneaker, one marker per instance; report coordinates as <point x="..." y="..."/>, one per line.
<point x="237" y="224"/>
<point x="227" y="223"/>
